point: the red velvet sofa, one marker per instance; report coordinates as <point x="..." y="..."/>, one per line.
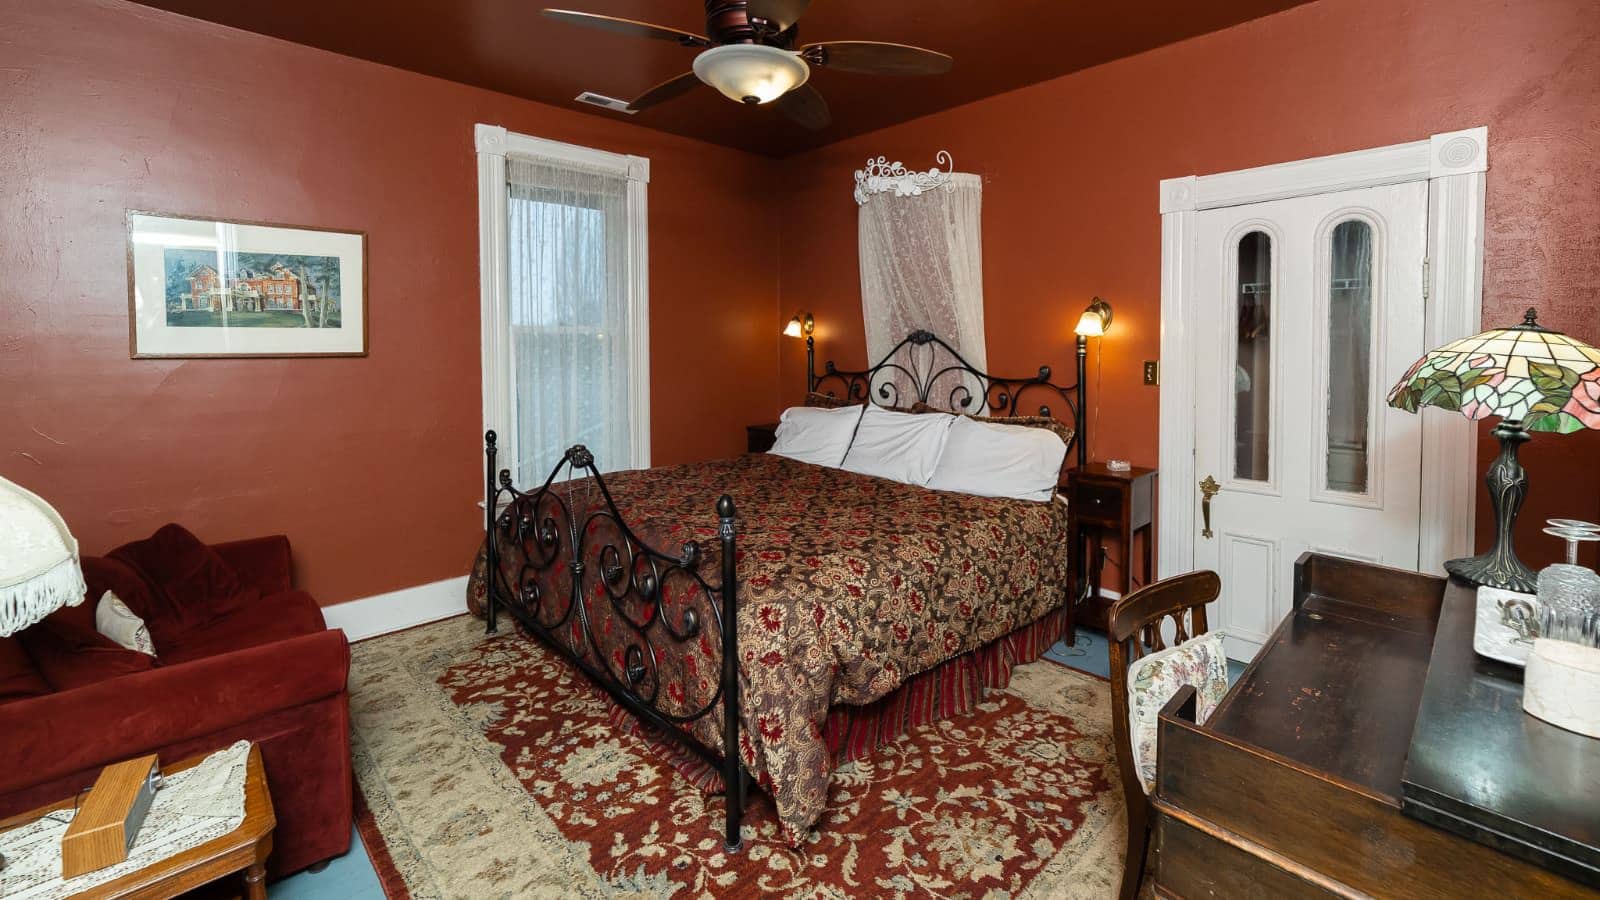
<point x="241" y="654"/>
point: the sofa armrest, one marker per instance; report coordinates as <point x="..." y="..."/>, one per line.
<point x="55" y="735"/>
<point x="261" y="562"/>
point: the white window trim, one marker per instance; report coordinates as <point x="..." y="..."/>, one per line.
<point x="1454" y="165"/>
<point x="494" y="144"/>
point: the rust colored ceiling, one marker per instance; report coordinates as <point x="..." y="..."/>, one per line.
<point x="506" y="45"/>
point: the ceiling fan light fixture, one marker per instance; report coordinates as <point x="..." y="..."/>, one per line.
<point x="751" y="73"/>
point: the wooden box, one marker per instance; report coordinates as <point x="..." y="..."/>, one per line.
<point x="107" y="822"/>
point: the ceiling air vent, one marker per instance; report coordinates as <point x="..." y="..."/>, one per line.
<point x="604" y="102"/>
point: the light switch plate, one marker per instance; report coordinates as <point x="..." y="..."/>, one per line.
<point x="1152" y="371"/>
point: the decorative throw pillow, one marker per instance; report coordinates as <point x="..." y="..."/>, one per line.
<point x="1153" y="679"/>
<point x="116" y="621"/>
<point x="828" y="401"/>
<point x="192" y="584"/>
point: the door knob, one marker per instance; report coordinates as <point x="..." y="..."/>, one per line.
<point x="1208" y="489"/>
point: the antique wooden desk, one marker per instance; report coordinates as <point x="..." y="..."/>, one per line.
<point x="1368" y="752"/>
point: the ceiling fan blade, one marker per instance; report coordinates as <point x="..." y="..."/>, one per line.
<point x="628" y="27"/>
<point x="805" y="107"/>
<point x="781" y="13"/>
<point x="666" y="90"/>
<point x="877" y="58"/>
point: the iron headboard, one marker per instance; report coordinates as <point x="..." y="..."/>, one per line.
<point x="911" y="372"/>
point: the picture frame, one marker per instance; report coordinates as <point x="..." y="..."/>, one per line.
<point x="203" y="287"/>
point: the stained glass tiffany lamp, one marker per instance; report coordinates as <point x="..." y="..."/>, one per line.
<point x="1534" y="379"/>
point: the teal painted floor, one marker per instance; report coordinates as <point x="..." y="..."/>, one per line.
<point x="351" y="877"/>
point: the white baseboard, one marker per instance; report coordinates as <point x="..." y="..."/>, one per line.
<point x="398" y="610"/>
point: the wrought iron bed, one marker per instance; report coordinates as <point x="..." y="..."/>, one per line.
<point x="589" y="554"/>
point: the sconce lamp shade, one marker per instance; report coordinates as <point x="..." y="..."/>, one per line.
<point x="802" y="325"/>
<point x="39" y="570"/>
<point x="1095" y="320"/>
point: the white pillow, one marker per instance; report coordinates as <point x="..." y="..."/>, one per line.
<point x="815" y="435"/>
<point x="113" y="619"/>
<point x="902" y="447"/>
<point x="992" y="460"/>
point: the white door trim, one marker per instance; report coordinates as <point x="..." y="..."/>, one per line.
<point x="493" y="144"/>
<point x="1454" y="165"/>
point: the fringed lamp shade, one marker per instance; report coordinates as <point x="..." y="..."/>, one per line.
<point x="39" y="570"/>
<point x="1533" y="379"/>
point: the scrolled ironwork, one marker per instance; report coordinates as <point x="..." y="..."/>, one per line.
<point x="917" y="368"/>
<point x="577" y="577"/>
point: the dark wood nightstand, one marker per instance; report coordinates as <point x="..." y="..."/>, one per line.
<point x="1100" y="501"/>
<point x="760" y="438"/>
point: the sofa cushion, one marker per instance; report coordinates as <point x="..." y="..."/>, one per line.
<point x="275" y="617"/>
<point x="68" y="656"/>
<point x="19" y="677"/>
<point x="191" y="584"/>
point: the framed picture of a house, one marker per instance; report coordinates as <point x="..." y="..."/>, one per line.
<point x="208" y="287"/>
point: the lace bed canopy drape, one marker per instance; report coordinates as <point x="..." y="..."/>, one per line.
<point x="921" y="246"/>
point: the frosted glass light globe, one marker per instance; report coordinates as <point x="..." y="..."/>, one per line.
<point x="751" y="73"/>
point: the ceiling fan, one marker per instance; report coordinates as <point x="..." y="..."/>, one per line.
<point x="750" y="55"/>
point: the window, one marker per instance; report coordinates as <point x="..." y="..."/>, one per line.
<point x="1349" y="355"/>
<point x="565" y="339"/>
<point x="1252" y="370"/>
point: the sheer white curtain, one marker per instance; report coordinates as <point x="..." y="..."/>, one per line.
<point x="567" y="266"/>
<point x="922" y="267"/>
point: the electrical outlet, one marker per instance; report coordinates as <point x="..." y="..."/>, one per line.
<point x="1152" y="371"/>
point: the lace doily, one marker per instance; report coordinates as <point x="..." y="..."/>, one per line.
<point x="191" y="807"/>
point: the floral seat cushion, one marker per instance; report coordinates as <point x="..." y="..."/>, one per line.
<point x="1153" y="679"/>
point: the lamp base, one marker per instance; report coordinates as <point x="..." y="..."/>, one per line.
<point x="1495" y="569"/>
<point x="1508" y="485"/>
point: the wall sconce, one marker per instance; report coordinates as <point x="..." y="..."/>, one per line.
<point x="803" y="325"/>
<point x="1094" y="321"/>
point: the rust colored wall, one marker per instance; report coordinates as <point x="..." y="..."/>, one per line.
<point x="373" y="465"/>
<point x="1071" y="169"/>
<point x="106" y="106"/>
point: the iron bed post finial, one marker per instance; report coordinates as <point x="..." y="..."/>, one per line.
<point x="733" y="777"/>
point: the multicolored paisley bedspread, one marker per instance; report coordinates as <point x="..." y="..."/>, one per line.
<point x="848" y="584"/>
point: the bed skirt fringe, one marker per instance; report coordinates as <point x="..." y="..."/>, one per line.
<point x="953" y="688"/>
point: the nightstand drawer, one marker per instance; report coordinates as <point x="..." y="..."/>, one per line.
<point x="1099" y="501"/>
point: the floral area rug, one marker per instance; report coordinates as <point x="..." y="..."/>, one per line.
<point x="489" y="768"/>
